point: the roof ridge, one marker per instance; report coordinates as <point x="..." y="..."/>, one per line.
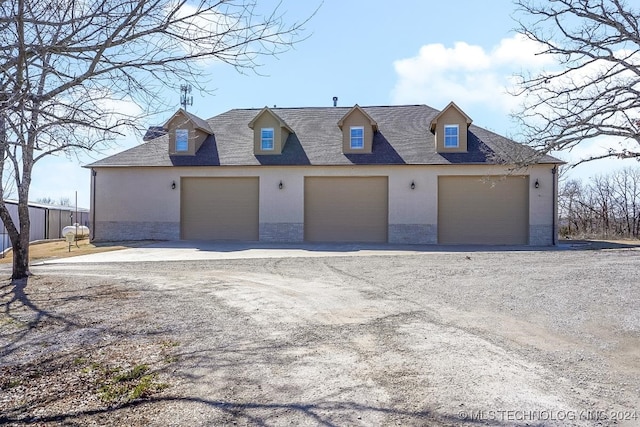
<point x="330" y="107"/>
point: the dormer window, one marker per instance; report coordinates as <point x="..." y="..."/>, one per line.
<point x="266" y="139"/>
<point x="357" y="137"/>
<point x="187" y="132"/>
<point x="450" y="127"/>
<point x="182" y="140"/>
<point x="451" y="136"/>
<point x="270" y="133"/>
<point x="358" y="130"/>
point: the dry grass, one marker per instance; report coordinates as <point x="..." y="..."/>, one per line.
<point x="60" y="249"/>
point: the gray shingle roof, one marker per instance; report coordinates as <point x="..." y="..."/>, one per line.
<point x="404" y="137"/>
<point x="154" y="132"/>
<point x="198" y="122"/>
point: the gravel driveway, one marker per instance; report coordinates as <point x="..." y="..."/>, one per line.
<point x="435" y="338"/>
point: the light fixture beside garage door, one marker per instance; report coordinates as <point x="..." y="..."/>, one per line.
<point x="413" y="185"/>
<point x="173" y="185"/>
<point x="281" y="185"/>
<point x="537" y="184"/>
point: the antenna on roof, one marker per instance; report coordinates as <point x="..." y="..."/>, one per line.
<point x="335" y="101"/>
<point x="185" y="98"/>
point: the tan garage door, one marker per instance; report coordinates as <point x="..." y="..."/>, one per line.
<point x="483" y="210"/>
<point x="219" y="208"/>
<point x="345" y="209"/>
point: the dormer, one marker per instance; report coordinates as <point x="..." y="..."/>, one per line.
<point x="450" y="128"/>
<point x="357" y="131"/>
<point x="270" y="132"/>
<point x="186" y="132"/>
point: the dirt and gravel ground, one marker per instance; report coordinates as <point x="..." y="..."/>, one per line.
<point x="465" y="338"/>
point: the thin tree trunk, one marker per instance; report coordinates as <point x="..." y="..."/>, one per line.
<point x="21" y="258"/>
<point x="21" y="249"/>
<point x="21" y="244"/>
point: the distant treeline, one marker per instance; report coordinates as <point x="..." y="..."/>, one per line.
<point x="604" y="206"/>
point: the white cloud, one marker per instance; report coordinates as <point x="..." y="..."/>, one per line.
<point x="115" y="107"/>
<point x="202" y="29"/>
<point x="479" y="80"/>
<point x="520" y="52"/>
<point x="597" y="82"/>
<point x="467" y="74"/>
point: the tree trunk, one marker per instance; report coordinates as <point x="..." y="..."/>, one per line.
<point x="19" y="240"/>
<point x="21" y="244"/>
<point x="21" y="257"/>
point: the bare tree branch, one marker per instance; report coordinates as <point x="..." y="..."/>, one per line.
<point x="65" y="66"/>
<point x="595" y="92"/>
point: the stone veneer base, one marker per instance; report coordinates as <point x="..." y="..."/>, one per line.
<point x="415" y="234"/>
<point x="129" y="230"/>
<point x="284" y="232"/>
<point x="540" y="235"/>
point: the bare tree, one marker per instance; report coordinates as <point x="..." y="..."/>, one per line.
<point x="596" y="90"/>
<point x="606" y="206"/>
<point x="625" y="185"/>
<point x="62" y="201"/>
<point x="569" y="201"/>
<point x="66" y="66"/>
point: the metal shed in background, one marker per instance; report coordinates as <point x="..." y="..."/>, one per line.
<point x="47" y="221"/>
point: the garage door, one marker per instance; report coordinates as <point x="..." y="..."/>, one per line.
<point x="483" y="210"/>
<point x="219" y="208"/>
<point x="345" y="209"/>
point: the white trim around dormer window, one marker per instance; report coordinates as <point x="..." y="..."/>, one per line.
<point x="451" y="136"/>
<point x="356" y="137"/>
<point x="182" y="140"/>
<point x="266" y="139"/>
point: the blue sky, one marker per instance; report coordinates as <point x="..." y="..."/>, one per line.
<point x="370" y="52"/>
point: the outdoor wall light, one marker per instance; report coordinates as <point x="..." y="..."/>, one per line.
<point x="173" y="185"/>
<point x="537" y="184"/>
<point x="281" y="185"/>
<point x="413" y="185"/>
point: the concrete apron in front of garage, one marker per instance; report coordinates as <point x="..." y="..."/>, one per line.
<point x="204" y="250"/>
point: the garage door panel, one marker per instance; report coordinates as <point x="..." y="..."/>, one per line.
<point x="219" y="208"/>
<point x="346" y="209"/>
<point x="482" y="210"/>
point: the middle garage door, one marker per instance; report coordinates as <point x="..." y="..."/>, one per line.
<point x="219" y="208"/>
<point x="346" y="209"/>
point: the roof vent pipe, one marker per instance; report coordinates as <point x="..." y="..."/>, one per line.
<point x="335" y="101"/>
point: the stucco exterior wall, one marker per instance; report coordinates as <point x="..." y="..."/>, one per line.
<point x="542" y="202"/>
<point x="143" y="202"/>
